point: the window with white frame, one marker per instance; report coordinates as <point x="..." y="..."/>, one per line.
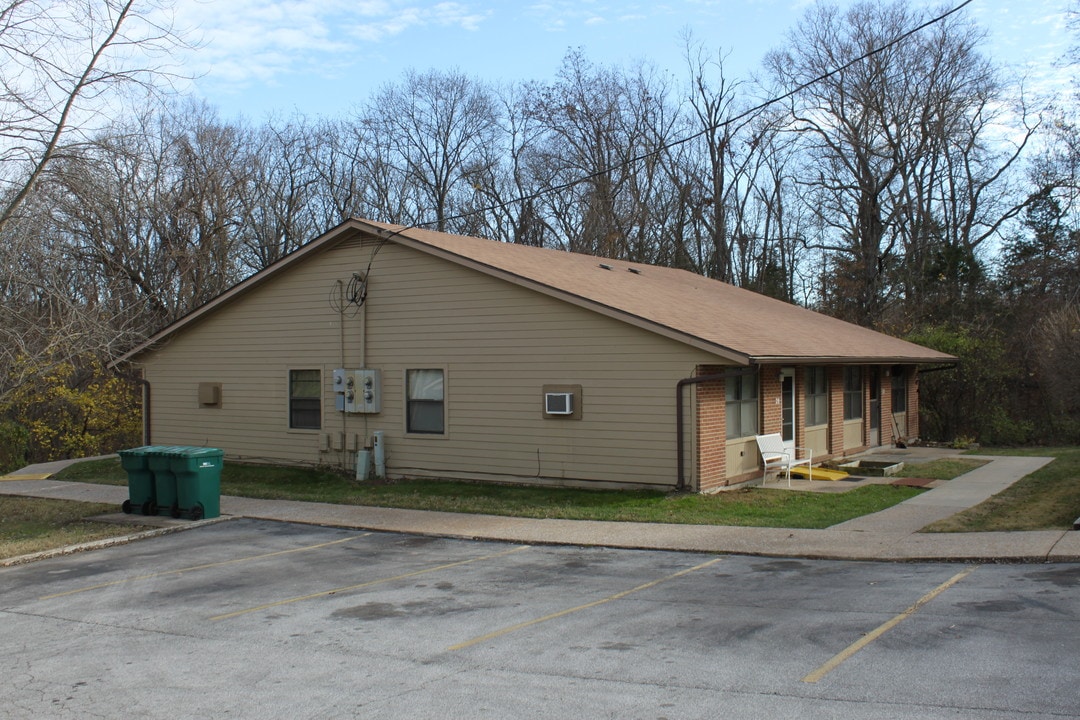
<point x="817" y="396"/>
<point x="853" y="393"/>
<point x="425" y="402"/>
<point x="741" y="404"/>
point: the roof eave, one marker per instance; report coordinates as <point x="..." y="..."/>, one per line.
<point x="851" y="360"/>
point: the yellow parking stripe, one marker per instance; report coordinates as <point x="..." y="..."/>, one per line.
<point x="203" y="567"/>
<point x="873" y="635"/>
<point x="38" y="476"/>
<point x="369" y="583"/>
<point x="586" y="606"/>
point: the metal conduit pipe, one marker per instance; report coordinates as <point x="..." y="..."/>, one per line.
<point x="679" y="424"/>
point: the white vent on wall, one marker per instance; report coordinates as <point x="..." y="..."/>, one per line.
<point x="559" y="403"/>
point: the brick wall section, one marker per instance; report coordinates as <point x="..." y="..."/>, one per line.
<point x="912" y="402"/>
<point x="769" y="391"/>
<point x="864" y="442"/>
<point x="711" y="420"/>
<point x="711" y="433"/>
<point x="800" y="406"/>
<point x="886" y="405"/>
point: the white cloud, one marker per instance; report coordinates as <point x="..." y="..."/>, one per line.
<point x="396" y="19"/>
<point x="560" y="15"/>
<point x="245" y="41"/>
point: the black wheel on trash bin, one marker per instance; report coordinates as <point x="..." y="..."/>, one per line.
<point x="153" y="508"/>
<point x="126" y="507"/>
<point x="145" y="509"/>
<point x="174" y="510"/>
<point x="197" y="512"/>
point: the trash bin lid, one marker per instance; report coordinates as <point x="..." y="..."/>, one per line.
<point x="139" y="451"/>
<point x="187" y="451"/>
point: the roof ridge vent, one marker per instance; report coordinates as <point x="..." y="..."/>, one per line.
<point x="605" y="266"/>
<point x="636" y="271"/>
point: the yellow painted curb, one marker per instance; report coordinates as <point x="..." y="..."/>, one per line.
<point x="39" y="476"/>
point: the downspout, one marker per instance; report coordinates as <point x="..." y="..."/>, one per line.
<point x="680" y="425"/>
<point x="341" y="339"/>
<point x="145" y="384"/>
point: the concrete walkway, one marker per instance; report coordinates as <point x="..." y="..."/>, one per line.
<point x="891" y="534"/>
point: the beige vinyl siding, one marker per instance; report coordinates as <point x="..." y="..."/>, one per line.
<point x="817" y="439"/>
<point x="743" y="457"/>
<point x="853" y="433"/>
<point x="498" y="343"/>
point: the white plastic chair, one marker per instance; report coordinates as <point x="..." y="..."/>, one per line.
<point x="775" y="456"/>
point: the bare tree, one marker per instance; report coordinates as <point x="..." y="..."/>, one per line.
<point x="713" y="101"/>
<point x="433" y="131"/>
<point x="339" y="154"/>
<point x="63" y="63"/>
<point x="598" y="155"/>
<point x="504" y="206"/>
<point x="276" y="180"/>
<point x="903" y="164"/>
<point x="152" y="211"/>
<point x="51" y="311"/>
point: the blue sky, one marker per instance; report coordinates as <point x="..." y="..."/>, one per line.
<point x="260" y="57"/>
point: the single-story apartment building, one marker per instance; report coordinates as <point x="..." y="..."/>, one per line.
<point x="470" y="358"/>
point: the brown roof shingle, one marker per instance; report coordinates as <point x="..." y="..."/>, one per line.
<point x="739" y="325"/>
<point x="736" y="323"/>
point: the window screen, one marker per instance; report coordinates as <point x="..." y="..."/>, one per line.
<point x="305" y="399"/>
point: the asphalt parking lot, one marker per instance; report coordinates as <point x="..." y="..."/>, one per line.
<point x="253" y="619"/>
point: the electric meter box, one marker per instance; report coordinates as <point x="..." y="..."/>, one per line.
<point x="342" y="395"/>
<point x="368" y="386"/>
<point x="358" y="391"/>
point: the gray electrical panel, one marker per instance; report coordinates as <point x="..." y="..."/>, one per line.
<point x="358" y="391"/>
<point x="368" y="391"/>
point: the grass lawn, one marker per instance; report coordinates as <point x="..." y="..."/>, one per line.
<point x="1047" y="499"/>
<point x="751" y="507"/>
<point x="943" y="469"/>
<point x="29" y="525"/>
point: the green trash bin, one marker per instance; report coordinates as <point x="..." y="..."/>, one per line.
<point x="159" y="459"/>
<point x="141" y="495"/>
<point x="198" y="481"/>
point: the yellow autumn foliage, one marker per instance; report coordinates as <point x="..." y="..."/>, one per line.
<point x="73" y="409"/>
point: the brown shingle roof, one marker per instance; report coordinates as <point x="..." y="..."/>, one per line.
<point x="736" y="324"/>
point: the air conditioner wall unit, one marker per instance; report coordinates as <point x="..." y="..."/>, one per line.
<point x="559" y="403"/>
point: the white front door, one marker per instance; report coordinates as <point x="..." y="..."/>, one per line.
<point x="787" y="407"/>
